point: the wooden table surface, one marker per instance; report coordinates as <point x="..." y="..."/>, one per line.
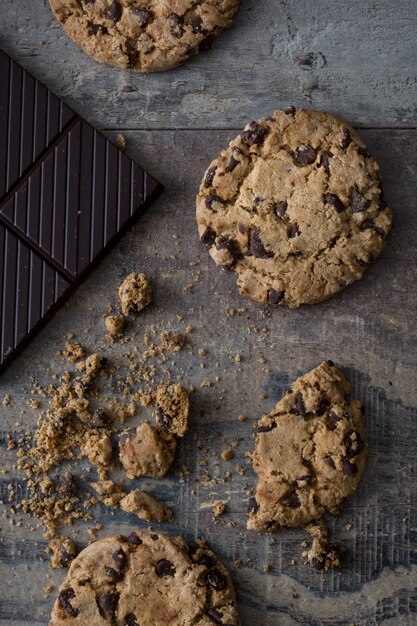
<point x="357" y="59"/>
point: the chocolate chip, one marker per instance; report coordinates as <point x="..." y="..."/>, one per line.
<point x="113" y="574"/>
<point x="65" y="557"/>
<point x="215" y="615"/>
<point x="176" y="24"/>
<point x="206" y="559"/>
<point x="120" y="559"/>
<point x="164" y="420"/>
<point x="196" y="24"/>
<point x="64" y="598"/>
<point x="346" y="139"/>
<point x="94" y="29"/>
<point x="281" y="208"/>
<point x="208" y="237"/>
<point x="130" y="620"/>
<point x="99" y="419"/>
<point x="265" y="428"/>
<point x="231" y="246"/>
<point x="208" y="179"/>
<point x="334" y="201"/>
<point x="330" y="461"/>
<point x="329" y="362"/>
<point x="212" y="200"/>
<point x="242" y="229"/>
<point x="115" y="12"/>
<point x="324" y="160"/>
<point x="274" y="297"/>
<point x="206" y="43"/>
<point x="364" y="152"/>
<point x="294" y="231"/>
<point x="68" y="486"/>
<point x="299" y="408"/>
<point x="254" y="135"/>
<point x="317" y="563"/>
<point x="257" y="248"/>
<point x="233" y="163"/>
<point x="332" y="420"/>
<point x="253" y="506"/>
<point x="291" y="500"/>
<point x="290" y="110"/>
<point x="353" y="443"/>
<point x="154" y="537"/>
<point x="107" y="604"/>
<point x="349" y="469"/>
<point x="134" y="540"/>
<point x="164" y="568"/>
<point x="142" y="14"/>
<point x="363" y="262"/>
<point x="357" y="202"/>
<point x="305" y="155"/>
<point x="370" y="224"/>
<point x="216" y="579"/>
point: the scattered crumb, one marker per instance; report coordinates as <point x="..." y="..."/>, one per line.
<point x="114" y="326"/>
<point x="219" y="508"/>
<point x="227" y="455"/>
<point x="174" y="342"/>
<point x="242" y="418"/>
<point x="121" y="142"/>
<point x="135" y="293"/>
<point x="6" y="400"/>
<point x="146" y="507"/>
<point x="63" y="552"/>
<point x="73" y="351"/>
<point x="323" y="555"/>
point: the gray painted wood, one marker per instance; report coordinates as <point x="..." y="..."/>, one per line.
<point x="368" y="330"/>
<point x="357" y="59"/>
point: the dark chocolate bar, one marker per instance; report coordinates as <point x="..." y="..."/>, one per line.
<point x="66" y="195"/>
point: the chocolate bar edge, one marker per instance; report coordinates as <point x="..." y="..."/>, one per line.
<point x="10" y="357"/>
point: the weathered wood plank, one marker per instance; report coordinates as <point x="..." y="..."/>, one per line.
<point x="368" y="330"/>
<point x="356" y="58"/>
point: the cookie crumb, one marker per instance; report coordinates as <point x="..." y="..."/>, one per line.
<point x="73" y="351"/>
<point x="219" y="508"/>
<point x="121" y="142"/>
<point x="135" y="293"/>
<point x="114" y="326"/>
<point x="227" y="455"/>
<point x="146" y="507"/>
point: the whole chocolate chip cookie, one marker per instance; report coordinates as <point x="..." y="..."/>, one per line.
<point x="310" y="452"/>
<point x="145" y="579"/>
<point x="143" y="35"/>
<point x="294" y="206"/>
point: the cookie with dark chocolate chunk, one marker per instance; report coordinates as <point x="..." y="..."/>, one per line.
<point x="293" y="207"/>
<point x="153" y="37"/>
<point x="310" y="452"/>
<point x="146" y="579"/>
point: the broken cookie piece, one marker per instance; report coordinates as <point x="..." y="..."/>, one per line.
<point x="310" y="452"/>
<point x="114" y="325"/>
<point x="173" y="406"/>
<point x="146" y="451"/>
<point x="63" y="551"/>
<point x="110" y="493"/>
<point x="146" y="507"/>
<point x="135" y="293"/>
<point x="324" y="554"/>
<point x="73" y="351"/>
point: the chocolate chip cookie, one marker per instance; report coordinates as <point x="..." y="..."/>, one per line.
<point x="295" y="207"/>
<point x="143" y="35"/>
<point x="145" y="579"/>
<point x="310" y="452"/>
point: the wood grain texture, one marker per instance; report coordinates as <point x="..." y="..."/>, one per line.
<point x="368" y="330"/>
<point x="356" y="58"/>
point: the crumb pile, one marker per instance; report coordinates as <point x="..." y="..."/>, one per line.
<point x="82" y="423"/>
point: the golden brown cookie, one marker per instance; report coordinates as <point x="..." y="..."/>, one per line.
<point x="294" y="206"/>
<point x="310" y="452"/>
<point x="143" y="35"/>
<point x="145" y="579"/>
